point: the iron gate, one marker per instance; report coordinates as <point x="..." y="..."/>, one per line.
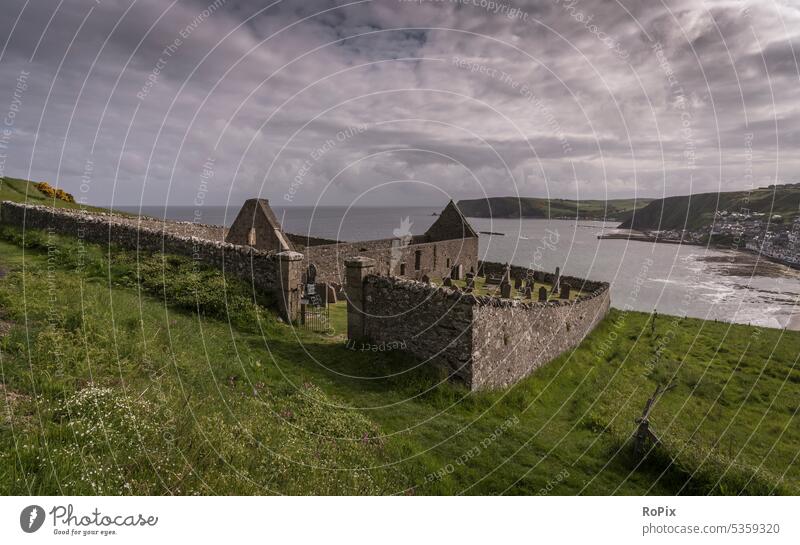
<point x="314" y="313"/>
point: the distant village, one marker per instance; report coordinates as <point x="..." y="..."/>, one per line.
<point x="771" y="236"/>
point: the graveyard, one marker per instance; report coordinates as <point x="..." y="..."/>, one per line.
<point x="482" y="285"/>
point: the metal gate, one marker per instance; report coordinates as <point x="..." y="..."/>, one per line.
<point x="314" y="313"/>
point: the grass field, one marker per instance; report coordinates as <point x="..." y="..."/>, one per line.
<point x="126" y="374"/>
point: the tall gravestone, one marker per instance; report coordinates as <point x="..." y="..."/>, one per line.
<point x="506" y="275"/>
<point x="542" y="294"/>
<point x="565" y="288"/>
<point x="556" y="280"/>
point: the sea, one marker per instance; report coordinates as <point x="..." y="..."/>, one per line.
<point x="679" y="279"/>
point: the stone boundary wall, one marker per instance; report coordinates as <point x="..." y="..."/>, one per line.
<point x="432" y="323"/>
<point x="486" y="341"/>
<point x="511" y="339"/>
<point x="278" y="274"/>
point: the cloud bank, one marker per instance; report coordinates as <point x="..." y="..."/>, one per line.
<point x="397" y="102"/>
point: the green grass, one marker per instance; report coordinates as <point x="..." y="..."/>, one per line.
<point x="23" y="191"/>
<point x="147" y="375"/>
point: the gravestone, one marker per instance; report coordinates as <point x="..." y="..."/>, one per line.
<point x="505" y="290"/>
<point x="470" y="282"/>
<point x="528" y="292"/>
<point x="542" y="294"/>
<point x="447" y="282"/>
<point x="507" y="275"/>
<point x="493" y="280"/>
<point x="322" y="290"/>
<point x="565" y="287"/>
<point x="331" y="294"/>
<point x="556" y="280"/>
<point x="518" y="284"/>
<point x="457" y="272"/>
<point x="311" y="274"/>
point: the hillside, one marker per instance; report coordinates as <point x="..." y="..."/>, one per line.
<point x="14" y="189"/>
<point x="128" y="373"/>
<point x="534" y="207"/>
<point x="696" y="211"/>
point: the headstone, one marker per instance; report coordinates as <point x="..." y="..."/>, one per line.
<point x="505" y="290"/>
<point x="518" y="284"/>
<point x="528" y="292"/>
<point x="311" y="274"/>
<point x="322" y="294"/>
<point x="507" y="274"/>
<point x="542" y="294"/>
<point x="457" y="273"/>
<point x="447" y="282"/>
<point x="470" y="282"/>
<point x="493" y="280"/>
<point x="556" y="280"/>
<point x="331" y="294"/>
<point x="565" y="290"/>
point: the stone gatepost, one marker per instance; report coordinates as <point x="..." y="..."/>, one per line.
<point x="357" y="269"/>
<point x="288" y="289"/>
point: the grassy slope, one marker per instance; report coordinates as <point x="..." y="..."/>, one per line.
<point x="533" y="207"/>
<point x="17" y="190"/>
<point x="119" y="386"/>
<point x="696" y="211"/>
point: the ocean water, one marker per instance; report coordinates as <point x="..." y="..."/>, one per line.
<point x="674" y="279"/>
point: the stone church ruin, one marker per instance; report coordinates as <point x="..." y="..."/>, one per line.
<point x="482" y="324"/>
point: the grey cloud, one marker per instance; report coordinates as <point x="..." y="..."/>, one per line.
<point x="623" y="117"/>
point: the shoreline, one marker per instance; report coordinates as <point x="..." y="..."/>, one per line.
<point x="646" y="238"/>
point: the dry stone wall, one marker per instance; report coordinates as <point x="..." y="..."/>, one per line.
<point x="485" y="341"/>
<point x="511" y="339"/>
<point x="432" y="323"/>
<point x="262" y="269"/>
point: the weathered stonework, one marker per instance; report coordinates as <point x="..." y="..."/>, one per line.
<point x="432" y="323"/>
<point x="256" y="225"/>
<point x="511" y="339"/>
<point x="487" y="342"/>
<point x="262" y="269"/>
<point x="450" y="241"/>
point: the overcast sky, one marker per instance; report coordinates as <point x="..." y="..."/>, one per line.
<point x="391" y="102"/>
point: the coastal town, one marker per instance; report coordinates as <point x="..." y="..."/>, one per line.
<point x="771" y="236"/>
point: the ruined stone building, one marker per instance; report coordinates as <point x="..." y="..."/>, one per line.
<point x="449" y="242"/>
